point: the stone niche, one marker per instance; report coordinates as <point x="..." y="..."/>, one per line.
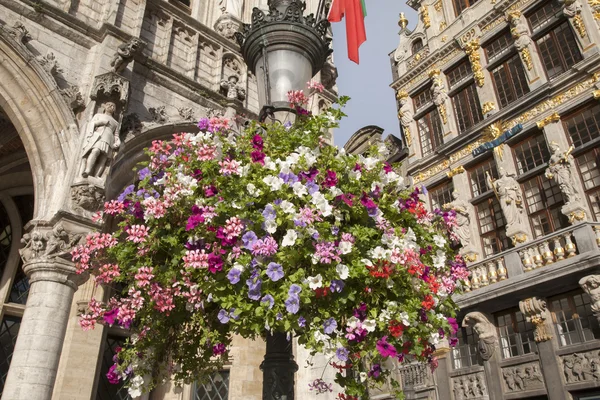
<point x="581" y="367"/>
<point x="522" y="377"/>
<point x="471" y="386"/>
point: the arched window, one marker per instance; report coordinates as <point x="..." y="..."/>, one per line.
<point x="417" y="45"/>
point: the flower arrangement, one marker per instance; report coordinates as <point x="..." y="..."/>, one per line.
<point x="272" y="229"/>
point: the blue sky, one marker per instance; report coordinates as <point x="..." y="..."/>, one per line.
<point x="368" y="83"/>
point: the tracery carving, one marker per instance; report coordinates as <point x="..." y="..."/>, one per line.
<point x="125" y="54"/>
<point x="108" y="85"/>
<point x="488" y="339"/>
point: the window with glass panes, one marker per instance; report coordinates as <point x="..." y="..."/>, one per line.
<point x="5" y="238"/>
<point x="573" y="318"/>
<point x="588" y="164"/>
<point x="465" y="100"/>
<point x="478" y="176"/>
<point x="417" y="45"/>
<point x="515" y="334"/>
<point x="492" y="226"/>
<point x="531" y="153"/>
<point x="506" y="69"/>
<point x="584" y="125"/>
<point x="544" y="200"/>
<point x="215" y="388"/>
<point x="9" y="329"/>
<point x="429" y="124"/>
<point x="461" y="5"/>
<point x="464" y="354"/>
<point x="441" y="194"/>
<point x="554" y="38"/>
<point x="107" y="390"/>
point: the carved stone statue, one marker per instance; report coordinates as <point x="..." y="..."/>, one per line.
<point x="438" y="91"/>
<point x="232" y="7"/>
<point x="571" y="8"/>
<point x="125" y="54"/>
<point x="488" y="340"/>
<point x="591" y="285"/>
<point x="231" y="88"/>
<point x="519" y="30"/>
<point x="462" y="219"/>
<point x="509" y="195"/>
<point x="101" y="141"/>
<point x="560" y="168"/>
<point x="405" y="113"/>
<point x="55" y="242"/>
<point x="34" y="245"/>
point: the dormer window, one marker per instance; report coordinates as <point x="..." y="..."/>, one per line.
<point x="417" y="45"/>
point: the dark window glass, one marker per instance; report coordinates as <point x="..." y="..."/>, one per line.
<point x="460" y="72"/>
<point x="515" y="334"/>
<point x="467" y="107"/>
<point x="478" y="178"/>
<point x="461" y="5"/>
<point x="588" y="164"/>
<point x="492" y="227"/>
<point x="544" y="200"/>
<point x="216" y="388"/>
<point x="500" y="45"/>
<point x="431" y="133"/>
<point x="20" y="286"/>
<point x="185" y="2"/>
<point x="510" y="81"/>
<point x="417" y="45"/>
<point x="559" y="50"/>
<point x="441" y="195"/>
<point x="544" y="14"/>
<point x="584" y="126"/>
<point x="422" y="98"/>
<point x="106" y="390"/>
<point x="464" y="355"/>
<point x="573" y="318"/>
<point x="9" y="329"/>
<point x="5" y="238"/>
<point x="531" y="153"/>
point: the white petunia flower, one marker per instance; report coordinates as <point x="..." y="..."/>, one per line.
<point x="379" y="253"/>
<point x="343" y="271"/>
<point x="404" y="318"/>
<point x="434" y="338"/>
<point x="239" y="267"/>
<point x="315" y="282"/>
<point x="335" y="191"/>
<point x="135" y="386"/>
<point x="290" y="238"/>
<point x="354" y="175"/>
<point x="369" y="325"/>
<point x="287" y="207"/>
<point x="274" y="182"/>
<point x="299" y="189"/>
<point x="269" y="164"/>
<point x="353" y="322"/>
<point x="363" y="376"/>
<point x="271" y="226"/>
<point x="439" y="240"/>
<point x="439" y="259"/>
<point x="345" y="247"/>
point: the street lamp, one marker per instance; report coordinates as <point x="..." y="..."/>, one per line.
<point x="284" y="49"/>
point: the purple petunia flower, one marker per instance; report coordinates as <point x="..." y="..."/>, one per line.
<point x="329" y="326"/>
<point x="268" y="299"/>
<point x="223" y="316"/>
<point x="144" y="173"/>
<point x="269" y="212"/>
<point x="386" y="349"/>
<point x="275" y="271"/>
<point x="342" y="354"/>
<point x="254" y="286"/>
<point x="453" y="341"/>
<point x="337" y="285"/>
<point x="294" y="289"/>
<point x="203" y="124"/>
<point x="234" y="276"/>
<point x="215" y="263"/>
<point x="249" y="239"/>
<point x="218" y="349"/>
<point x="128" y="190"/>
<point x="453" y="325"/>
<point x="113" y="375"/>
<point x="312" y="187"/>
<point x="375" y="371"/>
<point x="302" y="322"/>
<point x="292" y="304"/>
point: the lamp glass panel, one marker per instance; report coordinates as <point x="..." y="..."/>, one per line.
<point x="288" y="70"/>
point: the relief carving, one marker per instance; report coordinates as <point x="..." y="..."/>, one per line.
<point x="87" y="197"/>
<point x="591" y="285"/>
<point x="125" y="54"/>
<point x="49" y="63"/>
<point x="469" y="387"/>
<point x="131" y="126"/>
<point x="186" y="113"/>
<point x="55" y="242"/>
<point x="73" y="97"/>
<point x="488" y="339"/>
<point x="158" y="114"/>
<point x="581" y="367"/>
<point x="18" y="32"/>
<point x="536" y="312"/>
<point x="523" y="377"/>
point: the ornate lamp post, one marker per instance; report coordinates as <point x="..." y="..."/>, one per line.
<point x="284" y="49"/>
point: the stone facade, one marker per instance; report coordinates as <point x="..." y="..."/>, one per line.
<point x="73" y="72"/>
<point x="498" y="105"/>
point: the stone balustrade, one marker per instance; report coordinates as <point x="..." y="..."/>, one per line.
<point x="548" y="250"/>
<point x="415" y="375"/>
<point x="486" y="273"/>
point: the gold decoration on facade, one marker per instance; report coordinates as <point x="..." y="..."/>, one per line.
<point x="400" y="94"/>
<point x="455" y="171"/>
<point x="442" y="110"/>
<point x="428" y="173"/>
<point x="425" y="16"/>
<point x="579" y="26"/>
<point x="554" y="117"/>
<point x="519" y="238"/>
<point x="444" y="38"/>
<point x="488" y="107"/>
<point x="465" y="151"/>
<point x="443" y="25"/>
<point x="408" y="84"/>
<point x="402" y="22"/>
<point x="596" y="94"/>
<point x="407" y="135"/>
<point x="438" y="5"/>
<point x="472" y="50"/>
<point x="596" y="75"/>
<point x="578" y="215"/>
<point x="526" y="56"/>
<point x="492" y="132"/>
<point x="470" y="257"/>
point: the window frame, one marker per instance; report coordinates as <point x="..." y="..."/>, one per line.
<point x="502" y="242"/>
<point x="414" y="44"/>
<point x="195" y="386"/>
<point x="469" y="3"/>
<point x="578" y="328"/>
<point x="460" y="88"/>
<point x="517" y="334"/>
<point x="465" y="353"/>
<point x="594" y="190"/>
<point x="447" y="186"/>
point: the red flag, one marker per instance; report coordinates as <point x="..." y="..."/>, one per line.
<point x="355" y="23"/>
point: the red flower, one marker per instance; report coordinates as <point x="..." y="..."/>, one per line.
<point x="396" y="328"/>
<point x="428" y="303"/>
<point x="321" y="292"/>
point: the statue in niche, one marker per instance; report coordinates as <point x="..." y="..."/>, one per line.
<point x="462" y="219"/>
<point x="231" y="88"/>
<point x="101" y="141"/>
<point x="486" y="331"/>
<point x="509" y="195"/>
<point x="519" y="30"/>
<point x="231" y="7"/>
<point x="125" y="54"/>
<point x="591" y="285"/>
<point x="438" y="91"/>
<point x="560" y="168"/>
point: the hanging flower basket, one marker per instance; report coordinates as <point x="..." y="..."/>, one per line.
<point x="272" y="229"/>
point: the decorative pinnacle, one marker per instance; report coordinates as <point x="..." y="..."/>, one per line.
<point x="402" y="22"/>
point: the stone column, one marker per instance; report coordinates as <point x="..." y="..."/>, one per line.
<point x="536" y="312"/>
<point x="37" y="352"/>
<point x="488" y="350"/>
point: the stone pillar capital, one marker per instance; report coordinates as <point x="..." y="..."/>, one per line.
<point x="536" y="312"/>
<point x="53" y="269"/>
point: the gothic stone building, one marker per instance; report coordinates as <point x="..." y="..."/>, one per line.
<point x="132" y="71"/>
<point x="524" y="77"/>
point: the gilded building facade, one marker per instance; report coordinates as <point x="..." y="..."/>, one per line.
<point x="131" y="71"/>
<point x="499" y="104"/>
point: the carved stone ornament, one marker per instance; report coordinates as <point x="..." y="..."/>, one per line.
<point x="523" y="377"/>
<point x="159" y="115"/>
<point x="226" y="26"/>
<point x="488" y="339"/>
<point x="405" y="115"/>
<point x="87" y="197"/>
<point x="47" y="243"/>
<point x="186" y="113"/>
<point x="536" y="312"/>
<point x="581" y="367"/>
<point x="470" y="387"/>
<point x="425" y="16"/>
<point x="472" y="50"/>
<point x="329" y="74"/>
<point x="560" y="168"/>
<point x="508" y="192"/>
<point x="591" y="285"/>
<point x="231" y="89"/>
<point x="521" y="35"/>
<point x="213" y="112"/>
<point x="463" y="218"/>
<point x="18" y="32"/>
<point x="73" y="96"/>
<point x="131" y="126"/>
<point x="110" y="84"/>
<point x="125" y="54"/>
<point x="49" y="63"/>
<point x="488" y="107"/>
<point x="572" y="10"/>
